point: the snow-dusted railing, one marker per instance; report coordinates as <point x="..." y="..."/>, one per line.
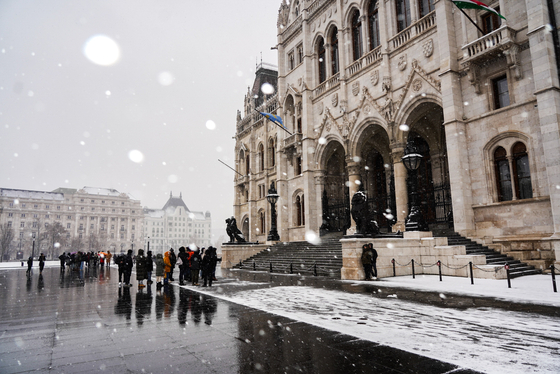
<point x="422" y="26"/>
<point x="439" y="264"/>
<point x="279" y="268"/>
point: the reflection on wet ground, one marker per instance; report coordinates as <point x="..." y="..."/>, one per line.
<point x="83" y="322"/>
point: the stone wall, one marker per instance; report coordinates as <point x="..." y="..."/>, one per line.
<point x="233" y="253"/>
<point x="424" y="249"/>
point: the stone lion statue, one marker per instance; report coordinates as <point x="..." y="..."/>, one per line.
<point x="365" y="224"/>
<point x="233" y="232"/>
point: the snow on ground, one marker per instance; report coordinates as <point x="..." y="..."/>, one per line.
<point x="485" y="339"/>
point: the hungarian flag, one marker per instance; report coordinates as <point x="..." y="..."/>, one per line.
<point x="474" y="4"/>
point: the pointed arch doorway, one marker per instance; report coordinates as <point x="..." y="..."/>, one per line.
<point x="335" y="200"/>
<point x="427" y="135"/>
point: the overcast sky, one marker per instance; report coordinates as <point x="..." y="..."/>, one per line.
<point x="146" y="110"/>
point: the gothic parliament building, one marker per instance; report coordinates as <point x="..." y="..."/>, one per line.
<point x="359" y="81"/>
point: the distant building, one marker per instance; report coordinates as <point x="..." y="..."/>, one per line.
<point x="175" y="225"/>
<point x="91" y="219"/>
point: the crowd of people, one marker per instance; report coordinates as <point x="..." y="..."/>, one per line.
<point x="193" y="265"/>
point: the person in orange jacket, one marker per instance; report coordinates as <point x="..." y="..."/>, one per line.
<point x="166" y="267"/>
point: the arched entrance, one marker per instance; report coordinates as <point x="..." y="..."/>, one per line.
<point x="427" y="136"/>
<point x="245" y="228"/>
<point x="377" y="176"/>
<point x="335" y="200"/>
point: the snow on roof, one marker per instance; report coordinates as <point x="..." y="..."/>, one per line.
<point x="104" y="192"/>
<point x="27" y="194"/>
<point x="154" y="213"/>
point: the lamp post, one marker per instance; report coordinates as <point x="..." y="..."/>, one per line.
<point x="415" y="220"/>
<point x="272" y="198"/>
<point x="33" y="248"/>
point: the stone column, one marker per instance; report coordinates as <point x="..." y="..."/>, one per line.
<point x="354" y="169"/>
<point x="401" y="193"/>
<point x="318" y="201"/>
<point x="545" y="79"/>
<point x="455" y="127"/>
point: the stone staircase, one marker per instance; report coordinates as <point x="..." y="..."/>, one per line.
<point x="517" y="268"/>
<point x="323" y="259"/>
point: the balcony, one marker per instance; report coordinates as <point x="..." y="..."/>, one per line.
<point x="332" y="82"/>
<point x="418" y="28"/>
<point x="365" y="61"/>
<point x="292" y="141"/>
<point x="484" y="49"/>
<point x="489" y="45"/>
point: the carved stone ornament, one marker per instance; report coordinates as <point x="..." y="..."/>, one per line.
<point x="417" y="84"/>
<point x="402" y="62"/>
<point x="428" y="48"/>
<point x="283" y="14"/>
<point x="356" y="88"/>
<point x="334" y="100"/>
<point x="386" y="86"/>
<point x="321" y="107"/>
<point x="374" y="77"/>
<point x="300" y="81"/>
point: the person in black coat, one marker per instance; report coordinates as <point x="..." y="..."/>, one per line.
<point x="62" y="259"/>
<point x="373" y="260"/>
<point x="173" y="259"/>
<point x="149" y="266"/>
<point x="41" y="263"/>
<point x="128" y="264"/>
<point x="29" y="264"/>
<point x="182" y="260"/>
<point x="120" y="261"/>
<point x="195" y="266"/>
<point x="209" y="265"/>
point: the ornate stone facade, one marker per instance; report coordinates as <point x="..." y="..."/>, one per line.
<point x="483" y="110"/>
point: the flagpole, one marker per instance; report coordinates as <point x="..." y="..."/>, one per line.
<point x="282" y="127"/>
<point x="230" y="167"/>
<point x="470" y="19"/>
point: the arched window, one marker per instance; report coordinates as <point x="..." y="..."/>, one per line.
<point x="271" y="153"/>
<point x="521" y="172"/>
<point x="262" y="222"/>
<point x="356" y="35"/>
<point x="403" y="14"/>
<point x="247" y="164"/>
<point x="334" y="51"/>
<point x="503" y="175"/>
<point x="241" y="161"/>
<point x="298" y="211"/>
<point x="261" y="157"/>
<point x="296" y="8"/>
<point x="373" y="25"/>
<point x="322" y="61"/>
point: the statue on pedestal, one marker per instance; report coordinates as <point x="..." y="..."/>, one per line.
<point x="233" y="232"/>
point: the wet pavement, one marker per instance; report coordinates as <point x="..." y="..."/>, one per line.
<point x="72" y="322"/>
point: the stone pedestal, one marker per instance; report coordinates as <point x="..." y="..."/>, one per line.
<point x="233" y="253"/>
<point x="421" y="247"/>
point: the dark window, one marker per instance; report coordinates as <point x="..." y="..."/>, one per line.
<point x="299" y="129"/>
<point x="356" y="35"/>
<point x="297" y="166"/>
<point x="491" y="21"/>
<point x="322" y="62"/>
<point x="501" y="92"/>
<point x="262" y="223"/>
<point x="272" y="152"/>
<point x="300" y="54"/>
<point x="334" y="51"/>
<point x="403" y="15"/>
<point x="298" y="211"/>
<point x="425" y="7"/>
<point x="291" y="61"/>
<point x="373" y="25"/>
<point x="503" y="176"/>
<point x="261" y="157"/>
<point x="521" y="172"/>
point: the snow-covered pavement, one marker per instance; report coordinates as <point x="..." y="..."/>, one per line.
<point x="489" y="340"/>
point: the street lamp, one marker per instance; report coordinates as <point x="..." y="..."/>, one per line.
<point x="33" y="248"/>
<point x="411" y="160"/>
<point x="272" y="198"/>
